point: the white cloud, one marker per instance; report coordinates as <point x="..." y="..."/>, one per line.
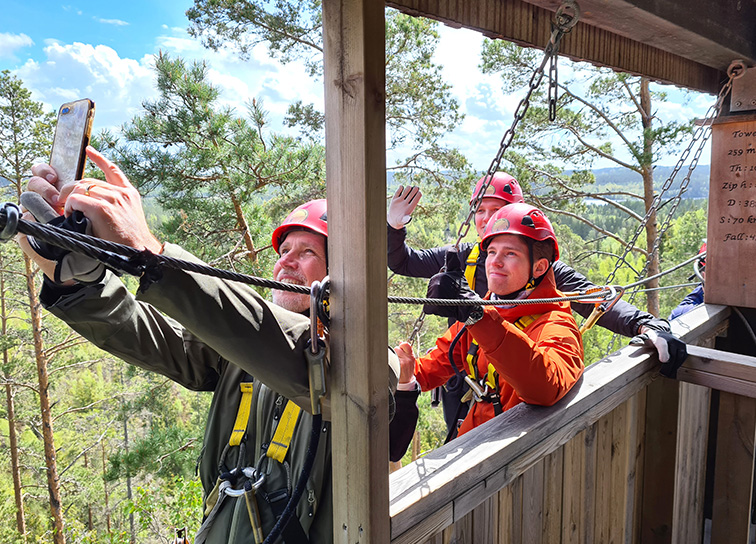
<point x="79" y="70"/>
<point x="9" y="43"/>
<point x="116" y="22"/>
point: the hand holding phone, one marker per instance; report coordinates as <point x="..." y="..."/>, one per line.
<point x="72" y="134"/>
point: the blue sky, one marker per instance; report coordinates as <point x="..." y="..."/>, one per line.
<point x="104" y="51"/>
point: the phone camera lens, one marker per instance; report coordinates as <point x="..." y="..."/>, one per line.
<point x="65" y="110"/>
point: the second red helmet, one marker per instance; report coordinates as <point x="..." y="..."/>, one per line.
<point x="502" y="186"/>
<point x="522" y="219"/>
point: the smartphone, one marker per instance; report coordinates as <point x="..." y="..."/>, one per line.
<point x="72" y="134"/>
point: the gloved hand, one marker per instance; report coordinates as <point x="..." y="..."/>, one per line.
<point x="450" y="284"/>
<point x="656" y="324"/>
<point x="70" y="266"/>
<point x="672" y="350"/>
<point x="402" y="205"/>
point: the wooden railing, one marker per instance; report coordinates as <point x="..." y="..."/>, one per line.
<point x="620" y="459"/>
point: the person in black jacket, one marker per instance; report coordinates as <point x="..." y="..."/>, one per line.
<point x="623" y="318"/>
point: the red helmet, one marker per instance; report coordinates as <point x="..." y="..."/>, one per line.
<point x="502" y="186"/>
<point x="311" y="216"/>
<point x="702" y="250"/>
<point x="522" y="219"/>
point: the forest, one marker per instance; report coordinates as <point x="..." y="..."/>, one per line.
<point x="100" y="451"/>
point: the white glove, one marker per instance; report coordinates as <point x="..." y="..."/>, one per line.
<point x="402" y="205"/>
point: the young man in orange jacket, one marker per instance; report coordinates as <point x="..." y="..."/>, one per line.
<point x="513" y="353"/>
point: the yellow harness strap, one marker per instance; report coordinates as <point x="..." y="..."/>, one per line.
<point x="472" y="264"/>
<point x="281" y="441"/>
<point x="242" y="416"/>
<point x="472" y="354"/>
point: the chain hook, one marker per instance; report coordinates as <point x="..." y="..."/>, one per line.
<point x="567" y="16"/>
<point x="736" y="69"/>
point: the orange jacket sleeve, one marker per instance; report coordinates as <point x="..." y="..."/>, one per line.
<point x="433" y="369"/>
<point x="541" y="364"/>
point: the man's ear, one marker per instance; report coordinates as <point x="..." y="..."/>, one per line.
<point x="540" y="267"/>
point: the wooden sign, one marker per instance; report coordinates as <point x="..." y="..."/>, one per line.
<point x="731" y="241"/>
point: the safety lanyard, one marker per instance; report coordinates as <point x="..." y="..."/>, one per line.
<point x="472" y="264"/>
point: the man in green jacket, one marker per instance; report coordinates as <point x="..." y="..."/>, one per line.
<point x="210" y="335"/>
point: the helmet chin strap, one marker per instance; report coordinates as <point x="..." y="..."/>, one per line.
<point x="532" y="281"/>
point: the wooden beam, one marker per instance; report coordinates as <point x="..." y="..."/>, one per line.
<point x="716" y="369"/>
<point x="690" y="468"/>
<point x="354" y="76"/>
<point x="733" y="473"/>
<point x="613" y="33"/>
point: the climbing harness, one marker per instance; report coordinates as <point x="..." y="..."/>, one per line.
<point x="565" y="18"/>
<point x="247" y="481"/>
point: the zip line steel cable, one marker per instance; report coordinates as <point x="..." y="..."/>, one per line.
<point x="145" y="263"/>
<point x="565" y="18"/>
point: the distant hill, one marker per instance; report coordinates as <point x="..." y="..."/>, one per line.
<point x="624" y="179"/>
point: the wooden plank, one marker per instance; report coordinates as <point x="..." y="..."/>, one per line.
<point x="506" y="523"/>
<point x="731" y="250"/>
<point x="690" y="468"/>
<point x="588" y="507"/>
<point x="619" y="472"/>
<point x="717" y="381"/>
<point x="573" y="490"/>
<point x="599" y="42"/>
<point x="532" y="504"/>
<point x="462" y="530"/>
<point x="429" y="528"/>
<point x="723" y="370"/>
<point x="553" y="474"/>
<point x="733" y="472"/>
<point x="502" y="449"/>
<point x="485" y="521"/>
<point x="354" y="72"/>
<point x="604" y="455"/>
<point x="638" y="406"/>
<point x="659" y="476"/>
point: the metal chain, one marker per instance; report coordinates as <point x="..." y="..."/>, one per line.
<point x="565" y="19"/>
<point x="563" y="23"/>
<point x="734" y="71"/>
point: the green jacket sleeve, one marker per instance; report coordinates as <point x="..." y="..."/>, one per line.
<point x="263" y="339"/>
<point x="109" y="316"/>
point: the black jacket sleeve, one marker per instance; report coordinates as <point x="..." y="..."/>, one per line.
<point x="402" y="427"/>
<point x="406" y="261"/>
<point x="424" y="263"/>
<point x="623" y="318"/>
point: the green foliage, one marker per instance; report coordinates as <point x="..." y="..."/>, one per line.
<point x="213" y="171"/>
<point x="291" y="29"/>
<point x="420" y="110"/>
<point x="25" y="132"/>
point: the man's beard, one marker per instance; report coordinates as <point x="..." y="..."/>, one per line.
<point x="294" y="302"/>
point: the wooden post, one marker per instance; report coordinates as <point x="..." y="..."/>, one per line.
<point x="354" y="75"/>
<point x="731" y="237"/>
